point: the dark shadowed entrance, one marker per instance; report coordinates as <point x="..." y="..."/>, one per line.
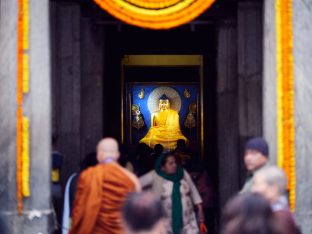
<point x="87" y="50"/>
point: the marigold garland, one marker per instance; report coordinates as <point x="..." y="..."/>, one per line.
<point x="285" y="96"/>
<point x="25" y="158"/>
<point x="22" y="123"/>
<point x="25" y="73"/>
<point x="19" y="195"/>
<point x="155" y="14"/>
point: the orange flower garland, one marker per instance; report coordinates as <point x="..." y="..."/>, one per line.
<point x="19" y="114"/>
<point x="155" y="14"/>
<point x="19" y="160"/>
<point x="285" y="96"/>
<point x="22" y="86"/>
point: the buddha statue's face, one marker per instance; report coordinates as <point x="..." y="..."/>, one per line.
<point x="164" y="104"/>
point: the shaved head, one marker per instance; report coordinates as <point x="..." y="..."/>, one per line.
<point x="107" y="147"/>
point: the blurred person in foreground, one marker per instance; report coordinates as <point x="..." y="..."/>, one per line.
<point x="174" y="186"/>
<point x="101" y="192"/>
<point x="256" y="157"/>
<point x="143" y="214"/>
<point x="249" y="213"/>
<point x="271" y="183"/>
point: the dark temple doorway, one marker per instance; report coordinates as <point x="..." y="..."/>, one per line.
<point x="88" y="46"/>
<point x="181" y="41"/>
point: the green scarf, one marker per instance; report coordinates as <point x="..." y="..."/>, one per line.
<point x="176" y="214"/>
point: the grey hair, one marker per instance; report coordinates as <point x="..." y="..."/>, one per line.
<point x="274" y="176"/>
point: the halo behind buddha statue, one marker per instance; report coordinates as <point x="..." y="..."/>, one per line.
<point x="160" y="92"/>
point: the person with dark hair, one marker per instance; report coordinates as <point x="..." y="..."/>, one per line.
<point x="150" y="161"/>
<point x="249" y="213"/>
<point x="256" y="157"/>
<point x="143" y="213"/>
<point x="173" y="185"/>
<point x="158" y="149"/>
<point x="182" y="153"/>
<point x="124" y="159"/>
<point x="140" y="159"/>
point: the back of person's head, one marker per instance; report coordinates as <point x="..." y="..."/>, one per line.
<point x="158" y="149"/>
<point x="107" y="148"/>
<point x="143" y="149"/>
<point x="270" y="182"/>
<point x="88" y="161"/>
<point x="275" y="176"/>
<point x="248" y="213"/>
<point x="143" y="213"/>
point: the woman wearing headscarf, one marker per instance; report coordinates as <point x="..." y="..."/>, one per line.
<point x="175" y="188"/>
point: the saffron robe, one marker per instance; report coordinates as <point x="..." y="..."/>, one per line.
<point x="165" y="130"/>
<point x="100" y="194"/>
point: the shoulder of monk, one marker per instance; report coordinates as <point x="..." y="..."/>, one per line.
<point x="85" y="176"/>
<point x="93" y="170"/>
<point x="87" y="172"/>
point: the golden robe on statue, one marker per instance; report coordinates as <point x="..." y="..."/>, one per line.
<point x="165" y="128"/>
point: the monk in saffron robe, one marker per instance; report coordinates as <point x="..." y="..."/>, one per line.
<point x="101" y="192"/>
<point x="165" y="127"/>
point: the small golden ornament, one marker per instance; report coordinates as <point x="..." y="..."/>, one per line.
<point x="193" y="107"/>
<point x="137" y="118"/>
<point x="187" y="93"/>
<point x="141" y="94"/>
<point x="190" y="121"/>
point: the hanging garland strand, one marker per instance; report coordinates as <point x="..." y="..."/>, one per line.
<point x="19" y="113"/>
<point x="285" y="96"/>
<point x="22" y="123"/>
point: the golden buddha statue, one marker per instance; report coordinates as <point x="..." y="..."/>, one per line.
<point x="165" y="127"/>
